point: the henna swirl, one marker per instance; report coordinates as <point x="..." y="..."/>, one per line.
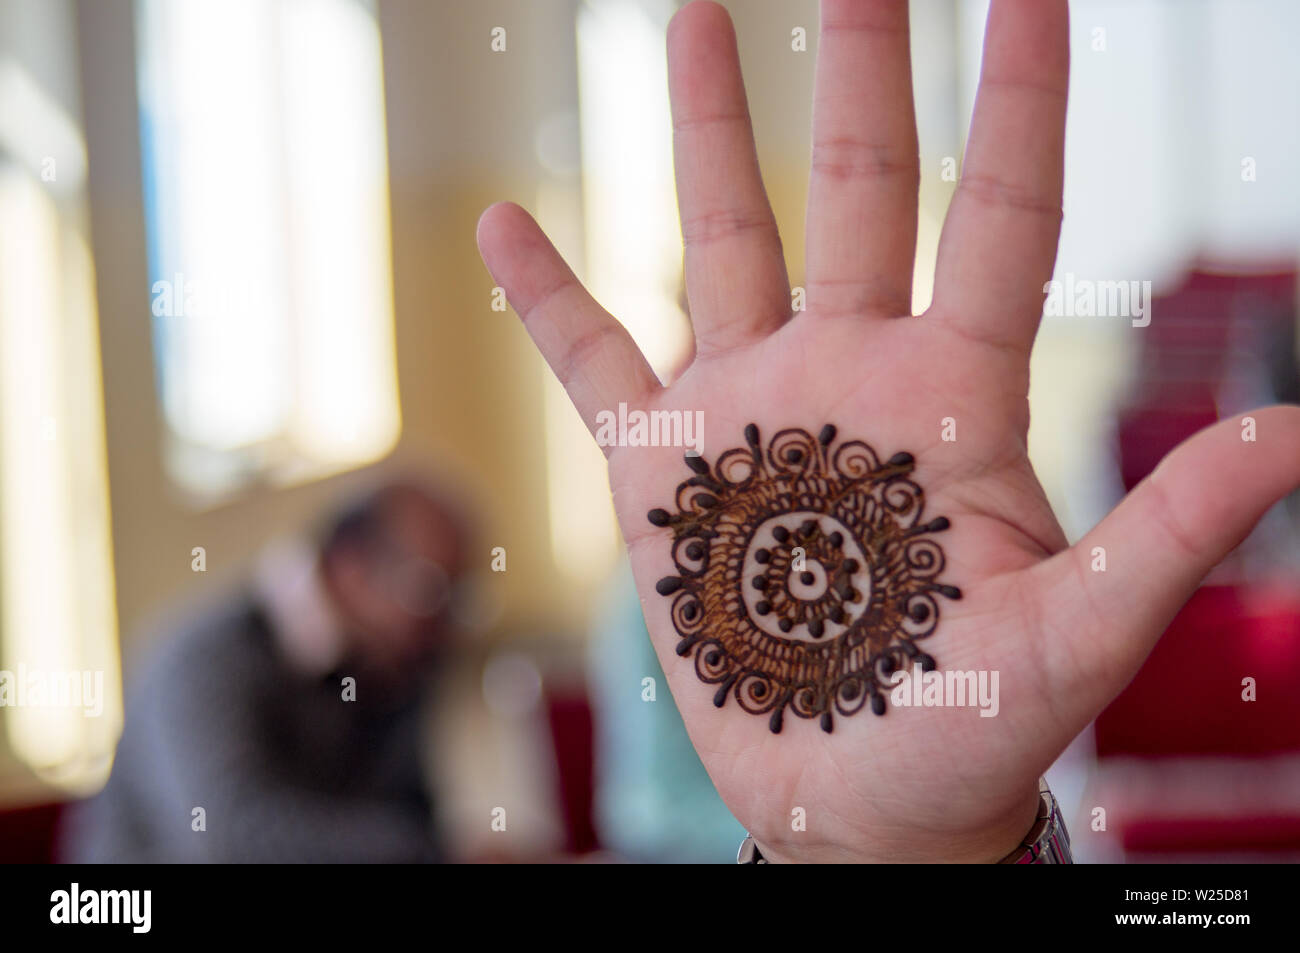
<point x="805" y="575"/>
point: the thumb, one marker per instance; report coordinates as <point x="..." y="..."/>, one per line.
<point x="1200" y="502"/>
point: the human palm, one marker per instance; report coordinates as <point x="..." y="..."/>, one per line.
<point x="948" y="387"/>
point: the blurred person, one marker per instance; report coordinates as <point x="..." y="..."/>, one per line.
<point x="283" y="723"/>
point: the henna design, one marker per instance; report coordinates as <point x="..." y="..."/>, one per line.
<point x="805" y="576"/>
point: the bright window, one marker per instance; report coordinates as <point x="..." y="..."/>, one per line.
<point x="266" y="189"/>
<point x="60" y="685"/>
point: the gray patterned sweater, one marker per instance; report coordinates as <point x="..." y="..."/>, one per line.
<point x="284" y="769"/>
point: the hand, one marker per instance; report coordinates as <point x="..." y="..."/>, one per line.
<point x="922" y="783"/>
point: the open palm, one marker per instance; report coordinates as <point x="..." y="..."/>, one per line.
<point x="929" y="782"/>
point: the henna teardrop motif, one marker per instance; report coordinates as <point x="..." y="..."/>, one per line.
<point x="805" y="575"/>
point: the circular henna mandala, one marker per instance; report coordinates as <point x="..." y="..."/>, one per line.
<point x="805" y="575"/>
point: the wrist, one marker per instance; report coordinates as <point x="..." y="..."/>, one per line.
<point x="988" y="843"/>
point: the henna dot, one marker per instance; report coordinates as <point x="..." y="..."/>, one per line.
<point x="762" y="608"/>
<point x="837" y="614"/>
<point x="901" y="460"/>
<point x="714" y="657"/>
<point x="807" y="578"/>
<point x="760" y="582"/>
<point x="696" y="463"/>
<point x="763" y="555"/>
<point x="808" y="528"/>
<point x="827" y="435"/>
<point x="691" y="611"/>
<point x="759" y="690"/>
<point x="850" y="691"/>
<point x="816" y="627"/>
<point x="707" y="500"/>
<point x="851" y="566"/>
<point x="781" y="534"/>
<point x="751" y="435"/>
<point x="793" y="456"/>
<point x="888" y="665"/>
<point x="786" y="625"/>
<point x="878" y="704"/>
<point x="695" y="551"/>
<point x="920" y="612"/>
<point x="952" y="592"/>
<point x="927" y="662"/>
<point x="668" y="585"/>
<point x="837" y="539"/>
<point x="852" y="596"/>
<point x="658" y="517"/>
<point x="939" y="525"/>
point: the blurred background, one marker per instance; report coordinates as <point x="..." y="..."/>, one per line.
<point x="239" y="286"/>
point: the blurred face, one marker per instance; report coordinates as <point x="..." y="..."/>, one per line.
<point x="396" y="590"/>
